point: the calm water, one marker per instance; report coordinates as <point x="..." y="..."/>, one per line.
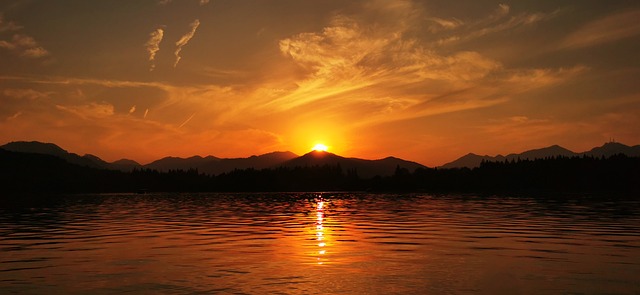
<point x="319" y="244"/>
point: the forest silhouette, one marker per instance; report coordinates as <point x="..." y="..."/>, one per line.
<point x="39" y="173"/>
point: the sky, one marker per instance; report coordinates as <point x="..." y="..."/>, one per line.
<point x="427" y="81"/>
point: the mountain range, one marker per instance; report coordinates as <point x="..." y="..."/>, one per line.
<point x="609" y="149"/>
<point x="213" y="165"/>
<point x="364" y="168"/>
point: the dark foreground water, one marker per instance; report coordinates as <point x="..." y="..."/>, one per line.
<point x="319" y="244"/>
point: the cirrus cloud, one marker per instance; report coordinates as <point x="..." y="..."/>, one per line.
<point x="185" y="39"/>
<point x="153" y="45"/>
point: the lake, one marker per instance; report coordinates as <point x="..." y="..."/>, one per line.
<point x="320" y="243"/>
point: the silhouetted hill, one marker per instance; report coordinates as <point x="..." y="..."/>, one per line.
<point x="608" y="149"/>
<point x="614" y="148"/>
<point x="38" y="172"/>
<point x="364" y="168"/>
<point x="35" y="147"/>
<point x="176" y="163"/>
<point x="213" y="165"/>
<point x="51" y="149"/>
<point x="125" y="165"/>
<point x="551" y="151"/>
<point x="208" y="165"/>
<point x="24" y="173"/>
<point x="471" y="160"/>
<point x="255" y="162"/>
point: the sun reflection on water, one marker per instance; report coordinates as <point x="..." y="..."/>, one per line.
<point x="320" y="230"/>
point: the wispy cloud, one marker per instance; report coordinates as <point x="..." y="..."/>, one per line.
<point x="376" y="72"/>
<point x="29" y="94"/>
<point x="132" y="109"/>
<point x="20" y="44"/>
<point x="608" y="29"/>
<point x="14" y="116"/>
<point x="153" y="45"/>
<point x="499" y="21"/>
<point x="91" y="110"/>
<point x="185" y="39"/>
<point x="146" y="112"/>
<point x="8" y="26"/>
<point x="25" y="46"/>
<point x="444" y="24"/>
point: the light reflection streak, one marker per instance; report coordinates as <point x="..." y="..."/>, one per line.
<point x="320" y="229"/>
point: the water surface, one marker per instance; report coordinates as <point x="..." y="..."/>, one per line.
<point x="319" y="244"/>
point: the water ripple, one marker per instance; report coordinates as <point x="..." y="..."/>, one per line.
<point x="318" y="244"/>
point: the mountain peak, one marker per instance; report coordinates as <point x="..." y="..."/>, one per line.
<point x="614" y="144"/>
<point x="364" y="168"/>
<point x="612" y="148"/>
<point x="318" y="154"/>
<point x="34" y="147"/>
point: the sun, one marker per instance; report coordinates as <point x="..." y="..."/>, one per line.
<point x="320" y="147"/>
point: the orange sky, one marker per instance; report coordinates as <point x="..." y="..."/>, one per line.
<point x="427" y="81"/>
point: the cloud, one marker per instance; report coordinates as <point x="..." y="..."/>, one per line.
<point x="14" y="116"/>
<point x="146" y="112"/>
<point x="498" y="21"/>
<point x="153" y="45"/>
<point x="501" y="11"/>
<point x="444" y="24"/>
<point x="28" y="94"/>
<point x="92" y="110"/>
<point x="203" y="2"/>
<point x="132" y="109"/>
<point x="185" y="39"/>
<point x="608" y="29"/>
<point x="8" y="26"/>
<point x="20" y="44"/>
<point x="371" y="70"/>
<point x="25" y="46"/>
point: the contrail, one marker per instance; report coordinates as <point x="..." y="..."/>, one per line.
<point x="187" y="121"/>
<point x="185" y="39"/>
<point x="153" y="45"/>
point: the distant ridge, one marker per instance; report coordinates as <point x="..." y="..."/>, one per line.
<point x="364" y="168"/>
<point x="213" y="165"/>
<point x="607" y="150"/>
<point x="35" y="147"/>
<point x="207" y="165"/>
<point x="29" y="172"/>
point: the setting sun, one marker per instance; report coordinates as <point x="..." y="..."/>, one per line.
<point x="320" y="147"/>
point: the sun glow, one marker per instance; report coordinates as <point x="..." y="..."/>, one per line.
<point x="320" y="147"/>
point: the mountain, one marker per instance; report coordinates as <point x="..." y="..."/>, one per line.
<point x="364" y="168"/>
<point x="257" y="162"/>
<point x="175" y="163"/>
<point x="35" y="147"/>
<point x="214" y="166"/>
<point x="551" y="151"/>
<point x="208" y="165"/>
<point x="613" y="148"/>
<point x="471" y="160"/>
<point x="608" y="149"/>
<point x="125" y="165"/>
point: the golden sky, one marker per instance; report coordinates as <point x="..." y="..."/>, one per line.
<point x="427" y="81"/>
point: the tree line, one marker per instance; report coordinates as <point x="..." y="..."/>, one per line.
<point x="36" y="173"/>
